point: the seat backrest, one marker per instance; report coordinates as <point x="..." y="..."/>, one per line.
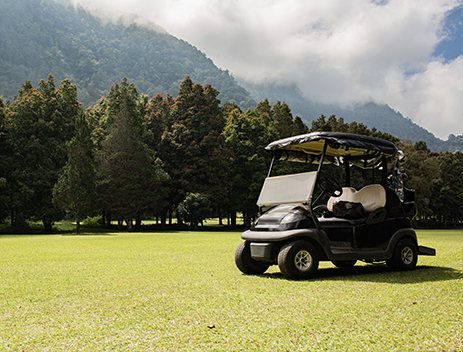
<point x="372" y="197"/>
<point x="347" y="195"/>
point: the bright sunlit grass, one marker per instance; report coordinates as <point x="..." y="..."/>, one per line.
<point x="182" y="292"/>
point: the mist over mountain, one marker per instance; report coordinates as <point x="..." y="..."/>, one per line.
<point x="380" y="116"/>
<point x="38" y="37"/>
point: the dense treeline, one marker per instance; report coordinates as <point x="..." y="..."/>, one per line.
<point x="187" y="157"/>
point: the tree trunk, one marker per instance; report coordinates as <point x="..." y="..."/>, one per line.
<point x="77" y="224"/>
<point x="108" y="219"/>
<point x="129" y="224"/>
<point x="47" y="224"/>
<point x="233" y="219"/>
<point x="163" y="218"/>
<point x="220" y="216"/>
<point x="138" y="220"/>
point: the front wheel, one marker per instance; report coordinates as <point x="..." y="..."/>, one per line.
<point x="244" y="261"/>
<point x="298" y="260"/>
<point x="404" y="257"/>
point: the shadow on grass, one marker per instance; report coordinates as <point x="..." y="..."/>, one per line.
<point x="381" y="273"/>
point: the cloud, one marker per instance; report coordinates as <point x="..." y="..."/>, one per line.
<point x="336" y="51"/>
<point x="434" y="97"/>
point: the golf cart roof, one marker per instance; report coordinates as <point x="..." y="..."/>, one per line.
<point x="362" y="151"/>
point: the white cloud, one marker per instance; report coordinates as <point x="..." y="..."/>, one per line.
<point x="334" y="50"/>
<point x="434" y="97"/>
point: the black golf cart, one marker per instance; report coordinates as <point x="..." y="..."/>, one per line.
<point x="299" y="227"/>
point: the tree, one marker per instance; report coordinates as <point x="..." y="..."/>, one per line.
<point x="283" y="119"/>
<point x="299" y="127"/>
<point x="448" y="193"/>
<point x="248" y="134"/>
<point x="39" y="122"/>
<point x="75" y="190"/>
<point x="192" y="148"/>
<point x="195" y="208"/>
<point x="129" y="179"/>
<point x="4" y="199"/>
<point x="332" y="125"/>
<point x="422" y="172"/>
<point x="158" y="120"/>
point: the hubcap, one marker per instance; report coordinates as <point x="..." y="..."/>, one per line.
<point x="303" y="260"/>
<point x="407" y="255"/>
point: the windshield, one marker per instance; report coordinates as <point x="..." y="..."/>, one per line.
<point x="296" y="188"/>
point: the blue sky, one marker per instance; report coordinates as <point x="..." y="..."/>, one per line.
<point x="452" y="47"/>
<point x="404" y="53"/>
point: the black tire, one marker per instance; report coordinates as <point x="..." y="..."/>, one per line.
<point x="405" y="256"/>
<point x="344" y="263"/>
<point x="298" y="260"/>
<point x="245" y="263"/>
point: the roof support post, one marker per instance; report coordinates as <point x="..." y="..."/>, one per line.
<point x="271" y="166"/>
<point x="322" y="157"/>
<point x="347" y="171"/>
<point x="314" y="218"/>
<point x="384" y="172"/>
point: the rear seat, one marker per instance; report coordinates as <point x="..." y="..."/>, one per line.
<point x="372" y="198"/>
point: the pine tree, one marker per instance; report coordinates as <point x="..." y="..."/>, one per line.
<point x="193" y="149"/>
<point x="129" y="180"/>
<point x="75" y="190"/>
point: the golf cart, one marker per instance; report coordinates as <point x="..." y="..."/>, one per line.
<point x="299" y="227"/>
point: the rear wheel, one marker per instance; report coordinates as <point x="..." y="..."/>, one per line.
<point x="404" y="257"/>
<point x="244" y="261"/>
<point x="298" y="260"/>
<point x="344" y="263"/>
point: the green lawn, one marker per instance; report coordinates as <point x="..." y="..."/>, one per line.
<point x="182" y="292"/>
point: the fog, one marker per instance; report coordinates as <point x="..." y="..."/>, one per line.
<point x="336" y="51"/>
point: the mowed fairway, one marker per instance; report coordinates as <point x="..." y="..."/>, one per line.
<point x="182" y="292"/>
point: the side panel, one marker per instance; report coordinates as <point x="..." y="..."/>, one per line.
<point x="378" y="235"/>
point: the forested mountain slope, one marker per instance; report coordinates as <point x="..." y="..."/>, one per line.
<point x="38" y="37"/>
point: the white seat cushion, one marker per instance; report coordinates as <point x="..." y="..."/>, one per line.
<point x="347" y="195"/>
<point x="372" y="197"/>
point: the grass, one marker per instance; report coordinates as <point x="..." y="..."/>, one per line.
<point x="182" y="292"/>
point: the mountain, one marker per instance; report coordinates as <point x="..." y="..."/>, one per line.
<point x="38" y="37"/>
<point x="380" y="116"/>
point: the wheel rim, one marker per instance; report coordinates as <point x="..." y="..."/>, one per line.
<point x="407" y="255"/>
<point x="303" y="260"/>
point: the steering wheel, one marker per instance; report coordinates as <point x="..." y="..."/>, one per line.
<point x="331" y="186"/>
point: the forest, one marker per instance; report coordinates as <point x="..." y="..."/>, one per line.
<point x="38" y="37"/>
<point x="42" y="36"/>
<point x="128" y="157"/>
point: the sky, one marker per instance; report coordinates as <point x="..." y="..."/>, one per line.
<point x="404" y="53"/>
